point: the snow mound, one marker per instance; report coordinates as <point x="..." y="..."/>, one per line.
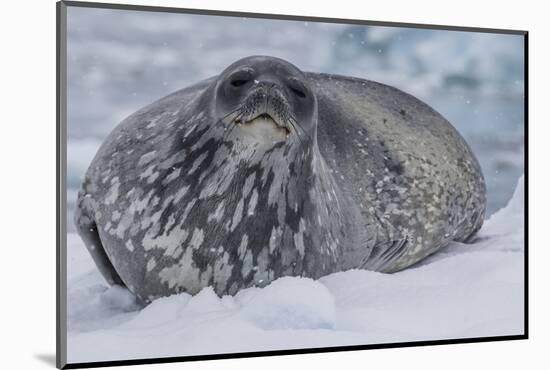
<point x="289" y="303"/>
<point x="464" y="290"/>
<point x="504" y="223"/>
<point x="161" y="312"/>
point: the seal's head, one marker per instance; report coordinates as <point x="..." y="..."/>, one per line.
<point x="266" y="99"/>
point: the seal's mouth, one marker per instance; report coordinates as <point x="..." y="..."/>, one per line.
<point x="265" y="121"/>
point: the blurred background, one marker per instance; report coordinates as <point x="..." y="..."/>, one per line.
<point x="121" y="60"/>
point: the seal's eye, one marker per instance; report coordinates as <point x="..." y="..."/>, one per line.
<point x="297" y="87"/>
<point x="241" y="77"/>
<point x="238" y="83"/>
<point x="298" y="92"/>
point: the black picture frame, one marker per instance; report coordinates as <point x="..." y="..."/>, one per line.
<point x="61" y="162"/>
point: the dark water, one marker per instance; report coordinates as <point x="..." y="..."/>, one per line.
<point x="120" y="61"/>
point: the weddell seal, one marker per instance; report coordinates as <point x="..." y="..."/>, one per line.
<point x="266" y="171"/>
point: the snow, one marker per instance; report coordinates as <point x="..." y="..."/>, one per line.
<point x="465" y="290"/>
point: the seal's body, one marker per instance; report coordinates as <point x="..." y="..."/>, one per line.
<point x="266" y="171"/>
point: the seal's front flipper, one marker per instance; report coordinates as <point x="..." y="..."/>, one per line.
<point x="87" y="229"/>
<point x="384" y="255"/>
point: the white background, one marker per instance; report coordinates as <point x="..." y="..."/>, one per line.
<point x="27" y="206"/>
